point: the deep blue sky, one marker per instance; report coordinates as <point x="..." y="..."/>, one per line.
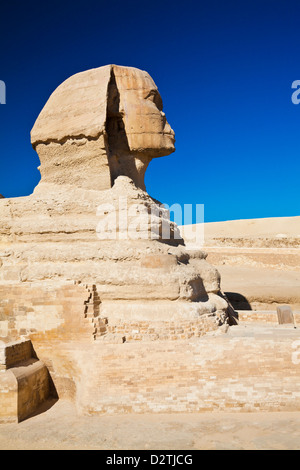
<point x="224" y="70"/>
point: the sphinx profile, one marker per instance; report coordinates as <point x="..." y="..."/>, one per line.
<point x="99" y="125"/>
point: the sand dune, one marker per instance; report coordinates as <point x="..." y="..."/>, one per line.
<point x="280" y="228"/>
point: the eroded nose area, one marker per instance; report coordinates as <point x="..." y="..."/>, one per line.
<point x="168" y="129"/>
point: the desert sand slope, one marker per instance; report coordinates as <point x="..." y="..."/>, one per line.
<point x="281" y="228"/>
<point x="258" y="259"/>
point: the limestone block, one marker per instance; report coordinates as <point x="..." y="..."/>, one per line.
<point x="285" y="315"/>
<point x="159" y="261"/>
<point x="24" y="381"/>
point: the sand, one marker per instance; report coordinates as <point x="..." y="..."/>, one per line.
<point x="59" y="428"/>
<point x="273" y="227"/>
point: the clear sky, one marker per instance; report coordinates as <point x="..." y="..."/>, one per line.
<point x="224" y="69"/>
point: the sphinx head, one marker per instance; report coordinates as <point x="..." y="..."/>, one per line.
<point x="101" y="124"/>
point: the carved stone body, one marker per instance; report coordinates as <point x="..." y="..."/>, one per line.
<point x="95" y="137"/>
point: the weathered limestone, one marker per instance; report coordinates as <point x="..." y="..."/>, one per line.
<point x="101" y="124"/>
<point x="95" y="138"/>
<point x="90" y="257"/>
<point x="69" y="132"/>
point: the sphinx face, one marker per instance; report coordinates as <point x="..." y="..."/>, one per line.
<point x="147" y="130"/>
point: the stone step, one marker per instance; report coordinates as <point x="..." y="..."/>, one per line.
<point x="24" y="381"/>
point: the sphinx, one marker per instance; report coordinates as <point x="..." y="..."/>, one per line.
<point x="105" y="314"/>
<point x="95" y="138"/>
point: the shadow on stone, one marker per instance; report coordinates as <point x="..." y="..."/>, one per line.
<point x="47" y="405"/>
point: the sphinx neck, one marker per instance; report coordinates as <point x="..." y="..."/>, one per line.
<point x="127" y="164"/>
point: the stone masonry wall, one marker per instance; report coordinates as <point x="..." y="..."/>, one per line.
<point x="250" y="370"/>
<point x="43" y="308"/>
<point x="209" y="374"/>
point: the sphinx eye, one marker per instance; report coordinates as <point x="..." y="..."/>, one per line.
<point x="151" y="95"/>
<point x="154" y="96"/>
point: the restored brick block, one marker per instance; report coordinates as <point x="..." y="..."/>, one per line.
<point x="24" y="381"/>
